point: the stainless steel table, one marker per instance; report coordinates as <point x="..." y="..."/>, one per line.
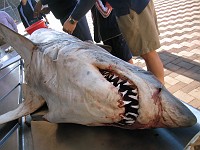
<point x="10" y="95"/>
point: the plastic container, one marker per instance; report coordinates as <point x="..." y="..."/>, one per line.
<point x="37" y="25"/>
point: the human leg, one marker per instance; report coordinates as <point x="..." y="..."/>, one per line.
<point x="154" y="65"/>
<point x="142" y="35"/>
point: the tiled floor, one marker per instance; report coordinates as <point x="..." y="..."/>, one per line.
<point x="179" y="25"/>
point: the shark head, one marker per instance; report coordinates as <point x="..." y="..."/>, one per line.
<point x="84" y="84"/>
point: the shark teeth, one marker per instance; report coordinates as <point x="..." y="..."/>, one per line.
<point x="119" y="81"/>
<point x="126" y="102"/>
<point x="130" y="97"/>
<point x="133" y="97"/>
<point x="124" y="93"/>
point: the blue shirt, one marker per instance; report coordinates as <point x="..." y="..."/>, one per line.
<point x="139" y="5"/>
<point x="122" y="7"/>
<point x="60" y="8"/>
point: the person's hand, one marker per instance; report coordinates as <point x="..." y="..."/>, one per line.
<point x="37" y="9"/>
<point x="45" y="10"/>
<point x="69" y="25"/>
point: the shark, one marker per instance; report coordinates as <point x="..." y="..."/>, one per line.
<point x="82" y="83"/>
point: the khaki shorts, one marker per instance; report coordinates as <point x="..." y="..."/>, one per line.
<point x="140" y="30"/>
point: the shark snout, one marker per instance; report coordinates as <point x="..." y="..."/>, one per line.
<point x="175" y="113"/>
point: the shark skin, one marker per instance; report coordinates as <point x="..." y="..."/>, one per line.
<point x="84" y="84"/>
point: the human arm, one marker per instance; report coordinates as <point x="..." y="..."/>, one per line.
<point x="105" y="10"/>
<point x="82" y="7"/>
<point x="47" y="21"/>
<point x="43" y="13"/>
<point x="38" y="8"/>
<point x="45" y="10"/>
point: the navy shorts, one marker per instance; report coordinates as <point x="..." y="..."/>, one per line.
<point x="119" y="48"/>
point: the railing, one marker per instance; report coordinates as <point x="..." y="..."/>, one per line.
<point x="11" y="79"/>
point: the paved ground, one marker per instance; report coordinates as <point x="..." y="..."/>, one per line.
<point x="179" y="25"/>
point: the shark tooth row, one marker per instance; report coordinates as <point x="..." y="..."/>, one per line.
<point x="129" y="93"/>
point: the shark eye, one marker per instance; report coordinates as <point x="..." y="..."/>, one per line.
<point x="129" y="93"/>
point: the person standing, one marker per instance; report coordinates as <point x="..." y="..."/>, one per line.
<point x="138" y="24"/>
<point x="106" y="29"/>
<point x="62" y="9"/>
<point x="26" y="10"/>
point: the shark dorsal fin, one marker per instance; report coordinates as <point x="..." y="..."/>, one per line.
<point x="20" y="43"/>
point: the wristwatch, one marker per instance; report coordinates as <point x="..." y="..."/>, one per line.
<point x="72" y="21"/>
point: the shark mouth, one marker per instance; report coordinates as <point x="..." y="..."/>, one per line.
<point x="129" y="94"/>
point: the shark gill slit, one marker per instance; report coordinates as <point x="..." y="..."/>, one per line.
<point x="129" y="94"/>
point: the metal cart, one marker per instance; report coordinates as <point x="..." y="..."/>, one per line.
<point x="11" y="72"/>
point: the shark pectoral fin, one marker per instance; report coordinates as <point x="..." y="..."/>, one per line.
<point x="20" y="43"/>
<point x="32" y="102"/>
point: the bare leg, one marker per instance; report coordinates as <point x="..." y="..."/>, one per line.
<point x="154" y="65"/>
